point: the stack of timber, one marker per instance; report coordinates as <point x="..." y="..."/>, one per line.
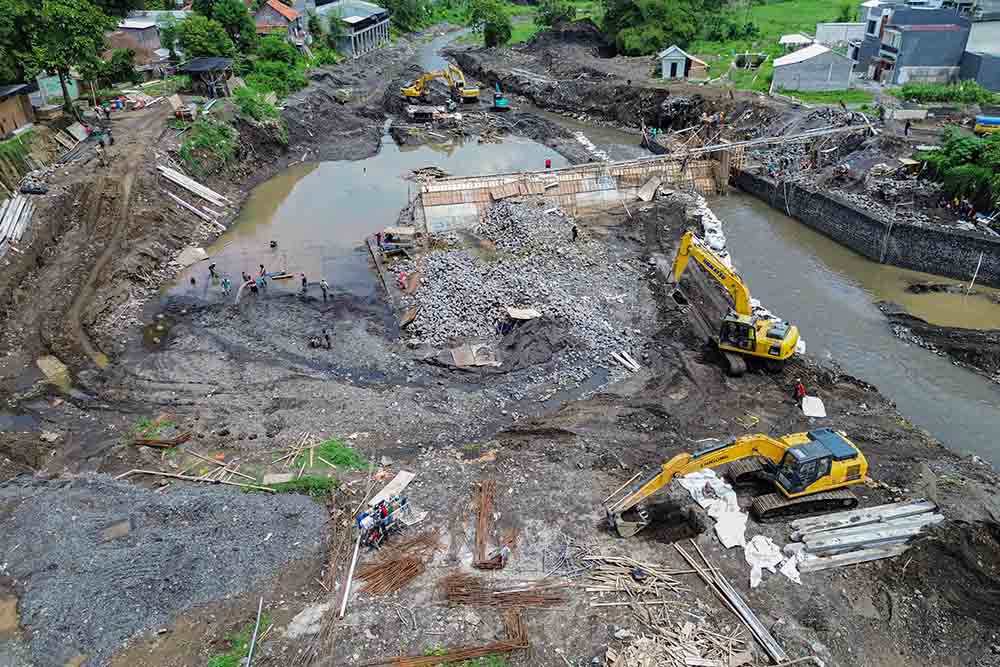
<point x="860" y="536"/>
<point x="195" y="188"/>
<point x="15" y="216"/>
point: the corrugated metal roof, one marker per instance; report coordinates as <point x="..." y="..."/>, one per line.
<point x="939" y="27"/>
<point x="801" y="55"/>
<point x="136" y="24"/>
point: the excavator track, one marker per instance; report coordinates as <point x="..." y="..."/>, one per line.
<point x="744" y="472"/>
<point x="774" y="506"/>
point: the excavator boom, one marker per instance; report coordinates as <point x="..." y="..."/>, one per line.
<point x="693" y="247"/>
<point x="803" y="466"/>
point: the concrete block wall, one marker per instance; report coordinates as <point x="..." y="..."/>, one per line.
<point x="939" y="251"/>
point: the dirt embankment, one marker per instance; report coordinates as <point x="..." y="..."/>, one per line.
<point x="569" y="70"/>
<point x="977" y="350"/>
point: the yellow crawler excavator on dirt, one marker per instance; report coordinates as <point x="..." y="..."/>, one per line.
<point x="452" y="75"/>
<point x="742" y="334"/>
<point x="809" y="471"/>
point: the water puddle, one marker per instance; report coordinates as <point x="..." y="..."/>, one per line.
<point x="318" y="215"/>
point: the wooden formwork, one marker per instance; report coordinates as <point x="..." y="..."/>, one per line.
<point x="449" y="203"/>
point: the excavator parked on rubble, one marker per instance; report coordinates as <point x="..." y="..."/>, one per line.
<point x="742" y="334"/>
<point x="810" y="472"/>
<point x="451" y="75"/>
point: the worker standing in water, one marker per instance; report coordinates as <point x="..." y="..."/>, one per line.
<point x="325" y="286"/>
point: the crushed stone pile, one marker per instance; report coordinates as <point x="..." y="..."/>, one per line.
<point x="464" y="297"/>
<point x="515" y="227"/>
<point x="99" y="560"/>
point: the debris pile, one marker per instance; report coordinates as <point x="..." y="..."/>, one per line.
<point x="640" y="583"/>
<point x="575" y="285"/>
<point x="515" y="227"/>
<point x="681" y="645"/>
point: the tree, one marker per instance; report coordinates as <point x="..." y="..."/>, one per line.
<point x="846" y="14"/>
<point x="15" y="39"/>
<point x="201" y="36"/>
<point x="551" y="12"/>
<point x="65" y="33"/>
<point x="203" y="7"/>
<point x="275" y="47"/>
<point x="408" y="15"/>
<point x="641" y="27"/>
<point x="490" y="18"/>
<point x="169" y="35"/>
<point x="120" y="8"/>
<point x="234" y="17"/>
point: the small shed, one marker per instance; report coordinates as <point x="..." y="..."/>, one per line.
<point x="794" y="41"/>
<point x="15" y="108"/>
<point x="813" y="68"/>
<point x="675" y="63"/>
<point x="211" y="72"/>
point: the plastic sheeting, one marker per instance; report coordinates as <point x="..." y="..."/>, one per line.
<point x="718" y="499"/>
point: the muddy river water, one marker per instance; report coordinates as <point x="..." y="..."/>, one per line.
<point x="319" y="214"/>
<point x="830" y="293"/>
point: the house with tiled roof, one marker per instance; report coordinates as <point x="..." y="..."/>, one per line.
<point x="275" y="16"/>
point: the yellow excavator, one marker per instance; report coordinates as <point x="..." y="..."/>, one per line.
<point x="452" y="75"/>
<point x="809" y="471"/>
<point x="742" y="334"/>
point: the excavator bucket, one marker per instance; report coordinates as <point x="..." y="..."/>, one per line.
<point x="627" y="527"/>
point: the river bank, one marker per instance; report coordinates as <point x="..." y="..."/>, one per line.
<point x="558" y="427"/>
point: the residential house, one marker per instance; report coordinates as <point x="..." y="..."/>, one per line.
<point x="275" y="16"/>
<point x="15" y="108"/>
<point x="815" y="67"/>
<point x="143" y="32"/>
<point x="983" y="68"/>
<point x="675" y="63"/>
<point x="366" y="25"/>
<point x="150" y="63"/>
<point x="838" y="34"/>
<point x="877" y="14"/>
<point x="921" y="45"/>
<point x="794" y="41"/>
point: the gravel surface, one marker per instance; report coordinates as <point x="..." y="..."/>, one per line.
<point x="86" y="588"/>
<point x="580" y="286"/>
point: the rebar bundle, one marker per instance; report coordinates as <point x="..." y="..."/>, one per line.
<point x="468" y="589"/>
<point x="517" y="640"/>
<point x="484" y="523"/>
<point x="400" y="565"/>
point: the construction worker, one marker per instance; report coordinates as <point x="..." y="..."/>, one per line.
<point x="799" y="392"/>
<point x="326" y="337"/>
<point x="325" y="286"/>
<point x="100" y="154"/>
<point x="305" y="284"/>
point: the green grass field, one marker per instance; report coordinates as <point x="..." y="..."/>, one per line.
<point x="853" y="96"/>
<point x="523" y="21"/>
<point x="773" y="19"/>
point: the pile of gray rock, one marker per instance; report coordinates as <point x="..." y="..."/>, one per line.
<point x="464" y="294"/>
<point x="515" y="226"/>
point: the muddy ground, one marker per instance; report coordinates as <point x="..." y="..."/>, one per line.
<point x="245" y="383"/>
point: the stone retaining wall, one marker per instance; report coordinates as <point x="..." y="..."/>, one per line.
<point x="943" y="252"/>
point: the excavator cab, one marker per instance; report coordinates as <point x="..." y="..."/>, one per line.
<point x="738" y="333"/>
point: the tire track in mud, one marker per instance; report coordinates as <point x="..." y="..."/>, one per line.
<point x="133" y="159"/>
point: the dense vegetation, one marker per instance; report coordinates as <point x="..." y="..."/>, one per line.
<point x="965" y="92"/>
<point x="967" y="166"/>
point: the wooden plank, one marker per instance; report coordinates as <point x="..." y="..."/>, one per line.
<point x="193" y="186"/>
<point x="860" y="517"/>
<point x="852" y="558"/>
<point x="393" y="488"/>
<point x="25" y="220"/>
<point x="189" y="207"/>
